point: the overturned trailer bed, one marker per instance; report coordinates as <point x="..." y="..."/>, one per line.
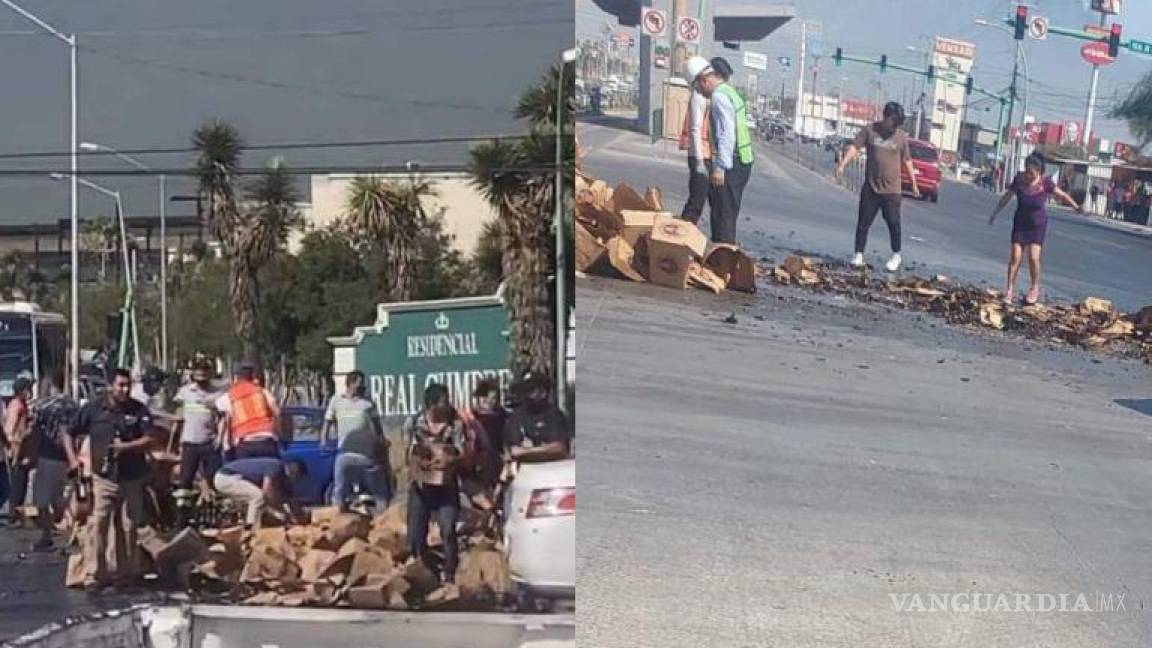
<point x="223" y="626"/>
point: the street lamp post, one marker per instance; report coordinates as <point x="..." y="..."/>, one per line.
<point x="129" y="293"/>
<point x="70" y="40"/>
<point x="90" y="146"/>
<point x="1019" y="58"/>
<point x="566" y="57"/>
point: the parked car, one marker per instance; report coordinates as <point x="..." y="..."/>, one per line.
<point x="540" y="532"/>
<point x="926" y="164"/>
<point x="300" y="428"/>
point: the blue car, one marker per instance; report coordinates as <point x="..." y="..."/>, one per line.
<point x="300" y="428"/>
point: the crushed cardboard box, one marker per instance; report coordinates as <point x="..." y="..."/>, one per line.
<point x="298" y="565"/>
<point x="1093" y="323"/>
<point x="621" y="234"/>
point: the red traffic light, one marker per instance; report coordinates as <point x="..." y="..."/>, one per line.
<point x="1021" y="22"/>
<point x="1114" y="40"/>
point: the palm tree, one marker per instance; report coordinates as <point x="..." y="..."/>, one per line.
<point x="251" y="233"/>
<point x="391" y="216"/>
<point x="102" y="237"/>
<point x="20" y="279"/>
<point x="508" y="175"/>
<point x="1136" y="109"/>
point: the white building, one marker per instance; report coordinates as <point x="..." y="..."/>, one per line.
<point x="952" y="60"/>
<point x="463" y="209"/>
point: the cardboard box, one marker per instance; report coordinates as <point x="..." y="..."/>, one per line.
<point x="639" y="223"/>
<point x="622" y="256"/>
<point x="700" y="276"/>
<point x="729" y="263"/>
<point x="672" y="246"/>
<point x="590" y="253"/>
<point x="624" y="197"/>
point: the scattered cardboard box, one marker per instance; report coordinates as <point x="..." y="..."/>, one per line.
<point x="672" y="246"/>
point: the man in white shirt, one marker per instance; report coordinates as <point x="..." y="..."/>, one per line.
<point x="694" y="140"/>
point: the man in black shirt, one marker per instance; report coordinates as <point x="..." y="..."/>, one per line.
<point x="120" y="433"/>
<point x="537" y="430"/>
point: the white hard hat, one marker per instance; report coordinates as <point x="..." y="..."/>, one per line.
<point x="696" y="66"/>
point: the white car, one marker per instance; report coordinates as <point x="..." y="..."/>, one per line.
<point x="540" y="532"/>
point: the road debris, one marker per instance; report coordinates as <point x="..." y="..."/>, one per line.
<point x="1091" y="324"/>
<point x="339" y="559"/>
<point x="619" y="233"/>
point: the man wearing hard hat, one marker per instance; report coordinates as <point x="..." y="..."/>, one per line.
<point x="732" y="154"/>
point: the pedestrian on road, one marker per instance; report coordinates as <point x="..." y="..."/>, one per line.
<point x="261" y="485"/>
<point x="1094" y="194"/>
<point x="362" y="459"/>
<point x="436" y="443"/>
<point x="120" y="433"/>
<point x="197" y="427"/>
<point x="886" y="145"/>
<point x="52" y="416"/>
<point x="694" y="140"/>
<point x="732" y="154"/>
<point x="250" y="416"/>
<point x="1032" y="190"/>
<point x="22" y="446"/>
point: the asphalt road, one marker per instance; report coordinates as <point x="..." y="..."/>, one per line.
<point x="777" y="481"/>
<point x="32" y="591"/>
<point x="789" y="207"/>
<point x="774" y="483"/>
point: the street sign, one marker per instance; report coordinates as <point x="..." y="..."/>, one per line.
<point x="1106" y="6"/>
<point x="1096" y="54"/>
<point x="1095" y="30"/>
<point x="688" y="30"/>
<point x="784" y="61"/>
<point x="454" y="342"/>
<point x="1038" y="27"/>
<point x="755" y="61"/>
<point x="653" y="21"/>
<point x="1140" y="47"/>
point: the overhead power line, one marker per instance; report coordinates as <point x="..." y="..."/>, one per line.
<point x="285" y="146"/>
<point x="364" y="169"/>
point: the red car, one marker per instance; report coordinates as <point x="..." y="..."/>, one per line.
<point x="926" y="163"/>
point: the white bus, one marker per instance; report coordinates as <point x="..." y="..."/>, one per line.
<point x="33" y="345"/>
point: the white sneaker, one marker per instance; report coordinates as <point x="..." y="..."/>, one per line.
<point x="894" y="263"/>
<point x="857" y="260"/>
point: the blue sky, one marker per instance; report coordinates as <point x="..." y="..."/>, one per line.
<point x="1059" y="77"/>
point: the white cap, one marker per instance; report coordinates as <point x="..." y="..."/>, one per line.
<point x="696" y="66"/>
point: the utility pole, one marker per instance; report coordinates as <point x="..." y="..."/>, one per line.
<point x="799" y="126"/>
<point x="677" y="49"/>
<point x="783" y="80"/>
<point x="1084" y="137"/>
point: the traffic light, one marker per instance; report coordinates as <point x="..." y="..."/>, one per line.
<point x="931" y="73"/>
<point x="968" y="86"/>
<point x="1021" y="21"/>
<point x="883" y="62"/>
<point x="1114" y="40"/>
<point x="838" y="57"/>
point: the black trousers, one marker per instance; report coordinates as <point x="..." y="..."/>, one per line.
<point x="18" y="493"/>
<point x="725" y="202"/>
<point x="443" y="502"/>
<point x="870" y="203"/>
<point x="697" y="191"/>
<point x="203" y="456"/>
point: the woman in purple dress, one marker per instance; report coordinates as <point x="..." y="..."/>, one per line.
<point x="1032" y="190"/>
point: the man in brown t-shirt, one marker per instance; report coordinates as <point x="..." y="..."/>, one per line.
<point x="887" y="147"/>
